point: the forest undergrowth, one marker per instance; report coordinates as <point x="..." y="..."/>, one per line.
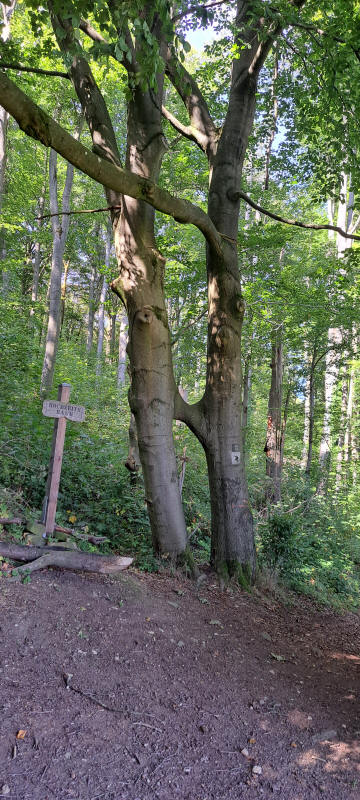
<point x="308" y="543"/>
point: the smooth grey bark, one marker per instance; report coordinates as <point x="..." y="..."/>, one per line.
<point x="273" y="445"/>
<point x="342" y="429"/>
<point x="63" y="293"/>
<point x="335" y="337"/>
<point x="91" y="308"/>
<point x="330" y="379"/>
<point x="152" y="388"/>
<point x="60" y="227"/>
<point x="311" y="412"/>
<point x="101" y="317"/>
<point x="350" y="449"/>
<point x="37" y="245"/>
<point x="306" y="410"/>
<point x="246" y="397"/>
<point x="123" y="337"/>
<point x="112" y="339"/>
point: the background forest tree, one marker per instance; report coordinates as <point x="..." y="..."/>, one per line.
<point x="292" y="388"/>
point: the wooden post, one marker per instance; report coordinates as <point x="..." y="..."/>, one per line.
<point x="53" y="481"/>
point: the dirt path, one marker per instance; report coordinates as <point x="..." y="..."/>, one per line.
<point x="192" y="678"/>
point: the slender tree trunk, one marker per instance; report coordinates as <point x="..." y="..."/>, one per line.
<point x="306" y="412"/>
<point x="101" y="320"/>
<point x="342" y="430"/>
<point x="275" y="114"/>
<point x="272" y="447"/>
<point x="91" y="312"/>
<point x="331" y="375"/>
<point x="311" y="413"/>
<point x="246" y="398"/>
<point x="60" y="231"/>
<point x="63" y="293"/>
<point x="112" y="342"/>
<point x="122" y="350"/>
<point x="37" y="246"/>
<point x="283" y="429"/>
<point x="349" y="435"/>
<point x="334" y="340"/>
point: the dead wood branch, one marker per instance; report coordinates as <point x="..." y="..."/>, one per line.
<point x="40" y="557"/>
<point x="67" y="531"/>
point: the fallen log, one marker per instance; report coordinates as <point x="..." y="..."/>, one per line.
<point x="40" y="557"/>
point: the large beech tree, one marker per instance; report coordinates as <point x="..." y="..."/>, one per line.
<point x="145" y="38"/>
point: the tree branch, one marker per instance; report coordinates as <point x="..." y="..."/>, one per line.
<point x="80" y="211"/>
<point x="297" y="223"/>
<point x="93" y="34"/>
<point x="183" y="328"/>
<point x="186" y="130"/>
<point x="313" y="29"/>
<point x="37" y="124"/>
<point x="193" y="416"/>
<point x="259" y="43"/>
<point x="199" y="8"/>
<point x="195" y="104"/>
<point x="88" y="92"/>
<point x="36" y="70"/>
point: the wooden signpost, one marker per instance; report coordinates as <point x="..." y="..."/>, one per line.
<point x="61" y="410"/>
<point x="40" y="557"/>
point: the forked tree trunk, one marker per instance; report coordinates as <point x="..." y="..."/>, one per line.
<point x="216" y="420"/>
<point x="153" y="388"/>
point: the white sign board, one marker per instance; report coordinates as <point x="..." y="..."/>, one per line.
<point x="55" y="408"/>
<point x="235" y="454"/>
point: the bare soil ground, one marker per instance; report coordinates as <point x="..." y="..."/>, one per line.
<point x="151" y="688"/>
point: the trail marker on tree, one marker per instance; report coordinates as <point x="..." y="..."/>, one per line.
<point x="61" y="410"/>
